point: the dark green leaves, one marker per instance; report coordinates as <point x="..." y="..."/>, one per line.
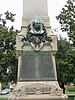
<point x="65" y="60"/>
<point x="8" y="59"/>
<point x="67" y="19"/>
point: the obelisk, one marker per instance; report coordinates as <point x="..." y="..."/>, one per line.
<point x="35" y="8"/>
<point x="36" y="49"/>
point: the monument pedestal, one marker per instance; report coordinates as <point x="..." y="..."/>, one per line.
<point x="37" y="79"/>
<point x="38" y="91"/>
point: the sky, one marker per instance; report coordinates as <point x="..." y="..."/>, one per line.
<point x="15" y="6"/>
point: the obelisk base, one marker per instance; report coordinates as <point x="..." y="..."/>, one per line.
<point x="40" y="97"/>
<point x="48" y="90"/>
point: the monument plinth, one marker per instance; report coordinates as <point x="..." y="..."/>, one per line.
<point x="36" y="49"/>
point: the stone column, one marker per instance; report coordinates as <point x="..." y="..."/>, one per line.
<point x="54" y="65"/>
<point x="19" y="64"/>
<point x="0" y="87"/>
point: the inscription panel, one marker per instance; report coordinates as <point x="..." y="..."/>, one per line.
<point x="34" y="89"/>
<point x="36" y="66"/>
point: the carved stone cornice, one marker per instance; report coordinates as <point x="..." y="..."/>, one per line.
<point x="37" y="89"/>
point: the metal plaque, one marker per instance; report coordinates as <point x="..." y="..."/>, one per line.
<point x="36" y="65"/>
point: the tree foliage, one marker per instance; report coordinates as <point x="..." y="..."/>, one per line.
<point x="8" y="59"/>
<point x="65" y="60"/>
<point x="67" y="19"/>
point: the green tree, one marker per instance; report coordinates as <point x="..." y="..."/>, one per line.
<point x="8" y="59"/>
<point x="67" y="19"/>
<point x="65" y="60"/>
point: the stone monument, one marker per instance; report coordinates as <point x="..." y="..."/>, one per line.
<point x="36" y="49"/>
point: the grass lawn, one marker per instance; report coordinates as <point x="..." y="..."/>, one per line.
<point x="71" y="89"/>
<point x="3" y="98"/>
<point x="70" y="92"/>
<point x="70" y="98"/>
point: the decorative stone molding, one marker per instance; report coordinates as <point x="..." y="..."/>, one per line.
<point x="37" y="89"/>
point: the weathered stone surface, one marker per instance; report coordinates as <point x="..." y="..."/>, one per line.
<point x="40" y="97"/>
<point x="35" y="8"/>
<point x="47" y="90"/>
